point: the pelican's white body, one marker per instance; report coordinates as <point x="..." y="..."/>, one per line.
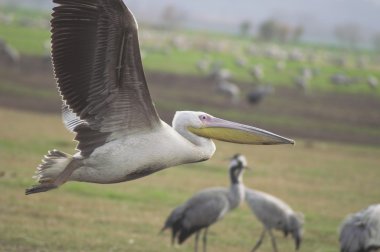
<point x="140" y="154"/>
<point x="105" y="94"/>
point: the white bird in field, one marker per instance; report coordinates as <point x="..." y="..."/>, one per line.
<point x="273" y="213"/>
<point x="97" y="64"/>
<point x="360" y="232"/>
<point x="207" y="207"/>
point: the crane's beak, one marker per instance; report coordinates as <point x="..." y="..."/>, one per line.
<point x="227" y="131"/>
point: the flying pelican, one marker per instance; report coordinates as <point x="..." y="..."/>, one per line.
<point x="106" y="102"/>
<point x="360" y="232"/>
<point x="273" y="213"/>
<point x="207" y="206"/>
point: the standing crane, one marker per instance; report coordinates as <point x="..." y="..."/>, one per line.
<point x="207" y="207"/>
<point x="273" y="213"/>
<point x="230" y="90"/>
<point x="360" y="232"/>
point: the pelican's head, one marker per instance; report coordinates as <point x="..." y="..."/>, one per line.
<point x="207" y="126"/>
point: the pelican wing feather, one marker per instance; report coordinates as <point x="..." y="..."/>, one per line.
<point x="97" y="64"/>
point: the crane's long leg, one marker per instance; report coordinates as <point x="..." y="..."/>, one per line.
<point x="196" y="242"/>
<point x="205" y="240"/>
<point x="258" y="243"/>
<point x="273" y="239"/>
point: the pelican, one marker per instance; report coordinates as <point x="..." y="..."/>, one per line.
<point x="106" y="103"/>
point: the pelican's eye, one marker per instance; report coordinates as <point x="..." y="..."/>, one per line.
<point x="203" y="117"/>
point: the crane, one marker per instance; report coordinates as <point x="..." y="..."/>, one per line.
<point x="207" y="207"/>
<point x="360" y="232"/>
<point x="273" y="213"/>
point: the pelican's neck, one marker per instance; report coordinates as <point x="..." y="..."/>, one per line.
<point x="205" y="146"/>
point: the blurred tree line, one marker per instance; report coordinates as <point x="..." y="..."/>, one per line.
<point x="273" y="30"/>
<point x="347" y="34"/>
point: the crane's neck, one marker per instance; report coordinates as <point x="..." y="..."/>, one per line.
<point x="236" y="195"/>
<point x="237" y="189"/>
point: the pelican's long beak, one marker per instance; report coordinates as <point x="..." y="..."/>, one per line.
<point x="227" y="131"/>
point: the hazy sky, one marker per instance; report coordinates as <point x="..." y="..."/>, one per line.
<point x="319" y="17"/>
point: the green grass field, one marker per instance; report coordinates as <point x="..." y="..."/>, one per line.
<point x="323" y="180"/>
<point x="31" y="41"/>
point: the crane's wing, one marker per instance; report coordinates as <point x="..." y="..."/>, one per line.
<point x="271" y="211"/>
<point x="353" y="234"/>
<point x="204" y="211"/>
<point x="97" y="63"/>
<point x="201" y="211"/>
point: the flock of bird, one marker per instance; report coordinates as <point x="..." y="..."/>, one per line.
<point x="106" y="103"/>
<point x="359" y="232"/>
<point x="222" y="79"/>
<point x="212" y="204"/>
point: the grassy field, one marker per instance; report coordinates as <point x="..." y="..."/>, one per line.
<point x="31" y="41"/>
<point x="325" y="181"/>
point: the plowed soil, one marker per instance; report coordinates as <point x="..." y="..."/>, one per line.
<point x="306" y="114"/>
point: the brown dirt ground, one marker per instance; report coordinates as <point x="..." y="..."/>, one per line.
<point x="339" y="109"/>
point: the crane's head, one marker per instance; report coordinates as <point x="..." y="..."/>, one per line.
<point x="296" y="222"/>
<point x="237" y="165"/>
<point x="204" y="125"/>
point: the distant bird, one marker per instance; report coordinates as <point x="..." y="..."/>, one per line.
<point x="100" y="76"/>
<point x="9" y="53"/>
<point x="256" y="96"/>
<point x="257" y="73"/>
<point x="296" y="55"/>
<point x="230" y="90"/>
<point x="180" y="43"/>
<point x="340" y="79"/>
<point x="240" y="61"/>
<point x="218" y="73"/>
<point x="301" y="82"/>
<point x="339" y="61"/>
<point x="207" y="207"/>
<point x="362" y="62"/>
<point x="273" y="213"/>
<point x="306" y="73"/>
<point x="6" y="19"/>
<point x="372" y="81"/>
<point x="360" y="232"/>
<point x="280" y="66"/>
<point x="203" y="65"/>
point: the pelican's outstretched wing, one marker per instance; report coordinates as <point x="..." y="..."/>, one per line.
<point x="98" y="67"/>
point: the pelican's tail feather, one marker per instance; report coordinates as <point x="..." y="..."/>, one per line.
<point x="48" y="172"/>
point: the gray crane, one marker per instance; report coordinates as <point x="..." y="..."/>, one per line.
<point x="372" y="81"/>
<point x="257" y="95"/>
<point x="360" y="232"/>
<point x="273" y="213"/>
<point x="229" y="90"/>
<point x="7" y="52"/>
<point x="207" y="207"/>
